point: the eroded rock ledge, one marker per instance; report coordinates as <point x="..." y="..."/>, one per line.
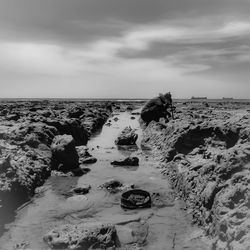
<point x="206" y="152"/>
<point x="27" y="130"/>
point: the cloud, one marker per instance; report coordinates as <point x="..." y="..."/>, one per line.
<point x="35" y="58"/>
<point x="122" y="48"/>
<point x="105" y="55"/>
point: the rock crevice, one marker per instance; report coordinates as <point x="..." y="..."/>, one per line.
<point x="208" y="163"/>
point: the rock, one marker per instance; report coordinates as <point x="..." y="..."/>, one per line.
<point x="112" y="186"/>
<point x="82" y="190"/>
<point x="64" y="154"/>
<point x="134" y="232"/>
<point x="129" y="161"/>
<point x="127" y="137"/>
<point x="61" y="174"/>
<point x="4" y="164"/>
<point x="86" y="157"/>
<point x="80" y="171"/>
<point x="12" y="117"/>
<point x="27" y="129"/>
<point x="89" y="160"/>
<point x="71" y="127"/>
<point x="135" y="113"/>
<point x="82" y="236"/>
<point x="76" y="112"/>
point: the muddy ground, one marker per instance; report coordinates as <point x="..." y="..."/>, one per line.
<point x="197" y="163"/>
<point x="206" y="151"/>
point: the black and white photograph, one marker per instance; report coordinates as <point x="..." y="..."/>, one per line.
<point x="124" y="124"/>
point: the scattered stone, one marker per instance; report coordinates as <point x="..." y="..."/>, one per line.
<point x="115" y="186"/>
<point x="12" y="117"/>
<point x="129" y="161"/>
<point x="82" y="190"/>
<point x="112" y="186"/>
<point x="135" y="113"/>
<point x="133" y="232"/>
<point x="86" y="157"/>
<point x="82" y="236"/>
<point x="127" y="137"/>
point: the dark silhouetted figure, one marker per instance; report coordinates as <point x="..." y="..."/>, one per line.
<point x="156" y="108"/>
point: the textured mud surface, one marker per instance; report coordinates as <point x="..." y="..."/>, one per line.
<point x="26" y="133"/>
<point x="85" y="212"/>
<point x="206" y="151"/>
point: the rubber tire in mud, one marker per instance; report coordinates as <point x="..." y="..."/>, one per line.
<point x="128" y="204"/>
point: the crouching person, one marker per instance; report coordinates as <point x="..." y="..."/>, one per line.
<point x="157" y="108"/>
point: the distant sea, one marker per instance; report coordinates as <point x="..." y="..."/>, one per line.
<point x="116" y="100"/>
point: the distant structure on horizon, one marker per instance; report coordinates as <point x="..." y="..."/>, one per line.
<point x="227" y="98"/>
<point x="199" y="98"/>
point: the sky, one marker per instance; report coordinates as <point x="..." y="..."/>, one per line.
<point x="124" y="48"/>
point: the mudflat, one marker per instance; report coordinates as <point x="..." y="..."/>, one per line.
<point x="195" y="167"/>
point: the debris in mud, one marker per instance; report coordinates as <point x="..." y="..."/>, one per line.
<point x="133" y="234"/>
<point x="135" y="198"/>
<point x="81" y="190"/>
<point x="135" y="113"/>
<point x="22" y="246"/>
<point x="129" y="161"/>
<point x="61" y="174"/>
<point x="127" y="137"/>
<point x="112" y="186"/>
<point x="85" y="157"/>
<point x="161" y="200"/>
<point x="115" y="186"/>
<point x="82" y="236"/>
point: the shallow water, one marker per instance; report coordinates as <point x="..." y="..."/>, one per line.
<point x="169" y="226"/>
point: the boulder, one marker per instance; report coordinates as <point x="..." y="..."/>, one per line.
<point x="129" y="161"/>
<point x="64" y="154"/>
<point x="127" y="137"/>
<point x="70" y="127"/>
<point x="82" y="236"/>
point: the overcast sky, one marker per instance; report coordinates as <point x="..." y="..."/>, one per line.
<point x="124" y="48"/>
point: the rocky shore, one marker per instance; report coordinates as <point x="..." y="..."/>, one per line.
<point x="27" y="129"/>
<point x="206" y="156"/>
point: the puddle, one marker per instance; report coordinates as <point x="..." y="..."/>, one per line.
<point x="169" y="226"/>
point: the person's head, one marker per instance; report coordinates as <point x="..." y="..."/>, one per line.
<point x="166" y="97"/>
